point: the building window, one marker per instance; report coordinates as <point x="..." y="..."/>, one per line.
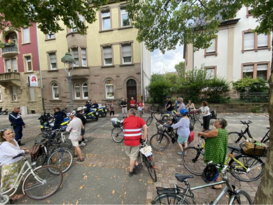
<point x="11" y="65"/>
<point x="106" y="19"/>
<point x="84" y="91"/>
<point x="28" y="63"/>
<point x="51" y="36"/>
<point x="256" y="70"/>
<point x="75" y="54"/>
<point x="14" y="93"/>
<point x="107" y="55"/>
<point x="126" y="54"/>
<point x="254" y="42"/>
<point x="26" y="37"/>
<point x="0" y="94"/>
<point x="210" y="72"/>
<point x="8" y="65"/>
<point x="14" y="65"/>
<point x="83" y="53"/>
<point x="248" y="11"/>
<point x="212" y="49"/>
<point x="109" y="89"/>
<point x="77" y="91"/>
<point x="52" y="61"/>
<point x="125" y="21"/>
<point x="55" y="91"/>
<point x="74" y="28"/>
<point x="31" y="94"/>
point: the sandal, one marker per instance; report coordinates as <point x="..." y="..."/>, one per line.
<point x="75" y="156"/>
<point x="80" y="160"/>
<point x="214" y="187"/>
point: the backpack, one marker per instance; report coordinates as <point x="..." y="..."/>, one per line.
<point x="213" y="114"/>
<point x="35" y="151"/>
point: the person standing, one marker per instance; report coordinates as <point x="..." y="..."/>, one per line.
<point x="177" y="102"/>
<point x="17" y="123"/>
<point x="140" y="108"/>
<point x="132" y="103"/>
<point x="88" y="107"/>
<point x="168" y="106"/>
<point x="112" y="108"/>
<point x="79" y="114"/>
<point x="183" y="130"/>
<point x="205" y="112"/>
<point x="95" y="104"/>
<point x="74" y="127"/>
<point x="123" y="105"/>
<point x="132" y="135"/>
<point x="182" y="105"/>
<point x="59" y="118"/>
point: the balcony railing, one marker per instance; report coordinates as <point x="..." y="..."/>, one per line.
<point x="9" y="50"/>
<point x="6" y="77"/>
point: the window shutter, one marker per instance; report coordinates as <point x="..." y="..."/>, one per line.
<point x="126" y="51"/>
<point x="248" y="41"/>
<point x="107" y="52"/>
<point x="262" y="40"/>
<point x="75" y="52"/>
<point x="211" y="49"/>
<point x="52" y="58"/>
<point x="8" y="66"/>
<point x="26" y="35"/>
<point x="262" y="67"/>
<point x="248" y="68"/>
<point x="14" y="64"/>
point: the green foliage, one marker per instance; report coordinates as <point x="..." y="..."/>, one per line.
<point x="180" y="69"/>
<point x="159" y="88"/>
<point x="251" y="85"/>
<point x="48" y="14"/>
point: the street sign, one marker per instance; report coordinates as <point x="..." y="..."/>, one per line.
<point x="33" y="81"/>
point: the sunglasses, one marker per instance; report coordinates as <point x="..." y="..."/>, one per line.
<point x="3" y="130"/>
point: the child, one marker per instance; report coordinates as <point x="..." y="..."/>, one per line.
<point x="191" y="136"/>
<point x="112" y="108"/>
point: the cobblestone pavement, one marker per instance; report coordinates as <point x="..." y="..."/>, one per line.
<point x="102" y="177"/>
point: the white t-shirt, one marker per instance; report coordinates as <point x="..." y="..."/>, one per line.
<point x="204" y="110"/>
<point x="74" y="128"/>
<point x="8" y="151"/>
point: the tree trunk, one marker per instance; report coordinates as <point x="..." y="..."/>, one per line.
<point x="264" y="193"/>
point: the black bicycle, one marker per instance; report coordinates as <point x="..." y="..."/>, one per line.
<point x="236" y="137"/>
<point x="160" y="141"/>
<point x="150" y="119"/>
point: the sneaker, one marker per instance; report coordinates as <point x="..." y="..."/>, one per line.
<point x="82" y="144"/>
<point x="180" y="153"/>
<point x="131" y="174"/>
<point x="85" y="140"/>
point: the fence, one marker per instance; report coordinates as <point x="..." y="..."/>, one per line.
<point x="254" y="97"/>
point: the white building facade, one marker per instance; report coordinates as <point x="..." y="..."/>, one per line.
<point x="236" y="52"/>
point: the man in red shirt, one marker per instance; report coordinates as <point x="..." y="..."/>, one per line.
<point x="132" y="135"/>
<point x="132" y="103"/>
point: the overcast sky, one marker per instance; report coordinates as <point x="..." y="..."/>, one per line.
<point x="167" y="60"/>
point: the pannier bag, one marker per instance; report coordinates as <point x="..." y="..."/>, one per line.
<point x="35" y="151"/>
<point x="213" y="114"/>
<point x="254" y="148"/>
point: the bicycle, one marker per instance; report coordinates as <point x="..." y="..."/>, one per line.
<point x="34" y="180"/>
<point x="235" y="137"/>
<point x="147" y="159"/>
<point x="180" y="195"/>
<point x="160" y="141"/>
<point x="243" y="167"/>
<point x="150" y="119"/>
<point x="60" y="157"/>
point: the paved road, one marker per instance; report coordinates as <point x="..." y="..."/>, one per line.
<point x="103" y="177"/>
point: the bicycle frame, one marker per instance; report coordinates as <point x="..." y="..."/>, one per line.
<point x="23" y="175"/>
<point x="246" y="131"/>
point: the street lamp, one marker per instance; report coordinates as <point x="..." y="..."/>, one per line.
<point x="68" y="59"/>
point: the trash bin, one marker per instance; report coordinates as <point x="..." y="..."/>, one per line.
<point x="23" y="110"/>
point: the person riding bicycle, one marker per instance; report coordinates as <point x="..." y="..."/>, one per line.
<point x="168" y="106"/>
<point x="10" y="167"/>
<point x="132" y="134"/>
<point x="59" y="118"/>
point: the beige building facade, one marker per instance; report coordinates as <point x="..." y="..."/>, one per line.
<point x="109" y="62"/>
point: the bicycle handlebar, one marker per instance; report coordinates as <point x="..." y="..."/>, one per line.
<point x="245" y="122"/>
<point x="18" y="155"/>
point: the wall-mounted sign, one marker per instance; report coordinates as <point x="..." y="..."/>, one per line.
<point x="33" y="81"/>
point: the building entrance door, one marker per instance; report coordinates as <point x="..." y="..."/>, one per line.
<point x="131" y="90"/>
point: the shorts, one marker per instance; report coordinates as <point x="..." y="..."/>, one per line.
<point x="82" y="132"/>
<point x="75" y="143"/>
<point x="124" y="110"/>
<point x="182" y="140"/>
<point x="132" y="152"/>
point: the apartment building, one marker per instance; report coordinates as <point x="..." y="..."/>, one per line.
<point x="19" y="67"/>
<point x="235" y="52"/>
<point x="109" y="62"/>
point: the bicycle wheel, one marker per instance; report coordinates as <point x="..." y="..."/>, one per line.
<point x="117" y="134"/>
<point x="169" y="199"/>
<point x="192" y="159"/>
<point x="149" y="121"/>
<point x="234" y="137"/>
<point x="148" y="161"/>
<point x="61" y="158"/>
<point x="253" y="165"/>
<point x="242" y="198"/>
<point x="159" y="142"/>
<point x="64" y="140"/>
<point x="44" y="183"/>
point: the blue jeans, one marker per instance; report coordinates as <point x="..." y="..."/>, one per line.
<point x="169" y="112"/>
<point x="18" y="132"/>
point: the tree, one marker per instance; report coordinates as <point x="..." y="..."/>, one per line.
<point x="164" y="24"/>
<point x="48" y="14"/>
<point x="180" y="69"/>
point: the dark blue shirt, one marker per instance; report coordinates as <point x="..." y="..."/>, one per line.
<point x="59" y="117"/>
<point x="95" y="105"/>
<point x="16" y="119"/>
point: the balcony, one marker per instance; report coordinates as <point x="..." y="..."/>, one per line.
<point x="9" y="50"/>
<point x="7" y="79"/>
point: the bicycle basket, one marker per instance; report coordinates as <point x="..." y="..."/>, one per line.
<point x="254" y="148"/>
<point x="147" y="151"/>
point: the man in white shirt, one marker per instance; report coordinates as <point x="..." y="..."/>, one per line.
<point x="74" y="127"/>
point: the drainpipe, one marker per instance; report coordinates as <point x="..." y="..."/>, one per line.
<point x="41" y="82"/>
<point x="141" y="68"/>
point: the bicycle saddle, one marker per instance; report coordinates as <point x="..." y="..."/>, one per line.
<point x="182" y="177"/>
<point x="235" y="148"/>
<point x="267" y="127"/>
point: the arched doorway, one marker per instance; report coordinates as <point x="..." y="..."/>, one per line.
<point x="131" y="89"/>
